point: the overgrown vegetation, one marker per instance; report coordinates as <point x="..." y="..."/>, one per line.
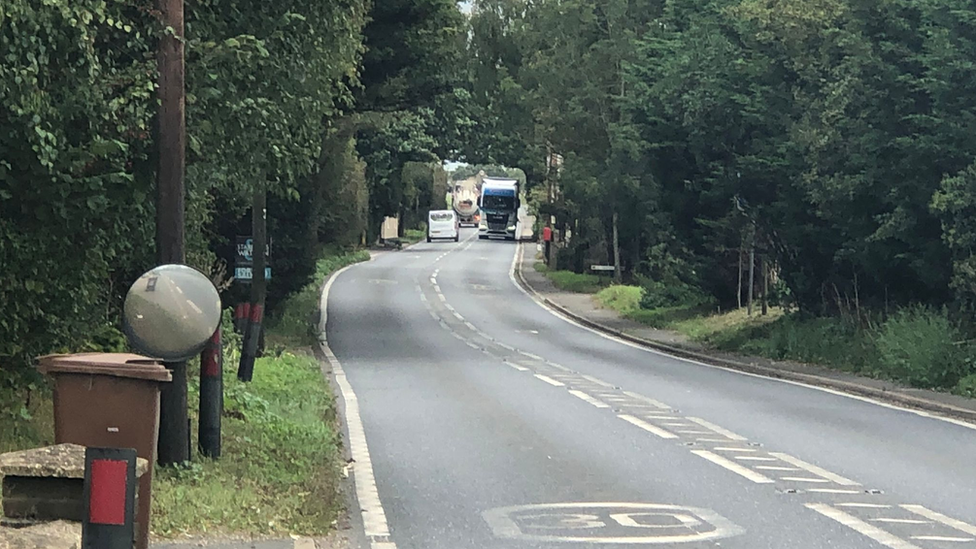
<point x="342" y="112"/>
<point x="825" y="137"/>
<point x="280" y="467"/>
<point x="917" y="346"/>
<point x="294" y="325"/>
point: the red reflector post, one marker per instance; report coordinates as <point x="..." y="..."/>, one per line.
<point x="110" y="495"/>
<point x="108" y="489"/>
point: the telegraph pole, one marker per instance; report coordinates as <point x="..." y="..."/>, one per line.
<point x="174" y="423"/>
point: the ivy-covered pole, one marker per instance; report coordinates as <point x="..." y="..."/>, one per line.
<point x="174" y="423"/>
<point x="259" y="285"/>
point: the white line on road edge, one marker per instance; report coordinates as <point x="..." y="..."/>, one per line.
<point x="837" y="479"/>
<point x="653" y="429"/>
<point x="711" y="426"/>
<point x="861" y="527"/>
<point x="538" y="301"/>
<point x="550" y="381"/>
<point x="374" y="518"/>
<point x="939" y="517"/>
<point x="734" y="467"/>
<point x="588" y="399"/>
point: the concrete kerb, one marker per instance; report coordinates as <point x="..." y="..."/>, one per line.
<point x="809" y="379"/>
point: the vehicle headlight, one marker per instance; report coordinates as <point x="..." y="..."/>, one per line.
<point x="483" y="224"/>
<point x="511" y="227"/>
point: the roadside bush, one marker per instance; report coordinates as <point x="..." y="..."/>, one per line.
<point x="575" y="282"/>
<point x="966" y="386"/>
<point x="828" y="341"/>
<point x="920" y="346"/>
<point x="673" y="294"/>
<point x="621" y="298"/>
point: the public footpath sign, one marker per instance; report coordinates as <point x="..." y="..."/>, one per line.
<point x="244" y="260"/>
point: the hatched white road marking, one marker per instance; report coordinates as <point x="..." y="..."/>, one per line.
<point x="939" y="517"/>
<point x="877" y="534"/>
<point x="550" y="381"/>
<point x="733" y="466"/>
<point x="597" y="381"/>
<point x="722" y="431"/>
<point x="517" y="367"/>
<point x="653" y="429"/>
<point x="815" y="470"/>
<point x="587" y="398"/>
<point x="943" y="538"/>
<point x="651" y="401"/>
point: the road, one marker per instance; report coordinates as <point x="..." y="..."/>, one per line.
<point x="493" y="423"/>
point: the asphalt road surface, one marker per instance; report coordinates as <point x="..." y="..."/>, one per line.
<point x="493" y="423"/>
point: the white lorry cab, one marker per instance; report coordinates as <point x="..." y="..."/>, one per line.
<point x="443" y="224"/>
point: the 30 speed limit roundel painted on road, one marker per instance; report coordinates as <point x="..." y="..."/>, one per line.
<point x="609" y="523"/>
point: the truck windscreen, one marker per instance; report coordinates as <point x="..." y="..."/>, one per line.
<point x="494" y="202"/>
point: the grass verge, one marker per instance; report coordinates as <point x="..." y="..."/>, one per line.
<point x="412" y="236"/>
<point x="280" y="468"/>
<point x="573" y="282"/>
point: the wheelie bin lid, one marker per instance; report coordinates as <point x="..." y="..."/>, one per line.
<point x="107" y="364"/>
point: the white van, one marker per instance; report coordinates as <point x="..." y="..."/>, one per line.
<point x="443" y="224"/>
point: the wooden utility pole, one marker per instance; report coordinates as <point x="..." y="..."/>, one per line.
<point x="739" y="287"/>
<point x="617" y="275"/>
<point x="752" y="268"/>
<point x="765" y="274"/>
<point x="174" y="428"/>
<point x="259" y="285"/>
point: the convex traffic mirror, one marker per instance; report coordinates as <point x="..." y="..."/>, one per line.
<point x="170" y="312"/>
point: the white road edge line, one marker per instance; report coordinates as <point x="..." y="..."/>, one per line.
<point x="734" y="467"/>
<point x="588" y="399"/>
<point x="836" y="479"/>
<point x="549" y="380"/>
<point x="653" y="429"/>
<point x="557" y="314"/>
<point x="939" y="517"/>
<point x="374" y="517"/>
<point x="877" y="534"/>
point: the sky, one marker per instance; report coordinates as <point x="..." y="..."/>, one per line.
<point x="465" y="6"/>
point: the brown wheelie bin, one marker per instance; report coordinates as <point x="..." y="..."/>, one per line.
<point x="110" y="400"/>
